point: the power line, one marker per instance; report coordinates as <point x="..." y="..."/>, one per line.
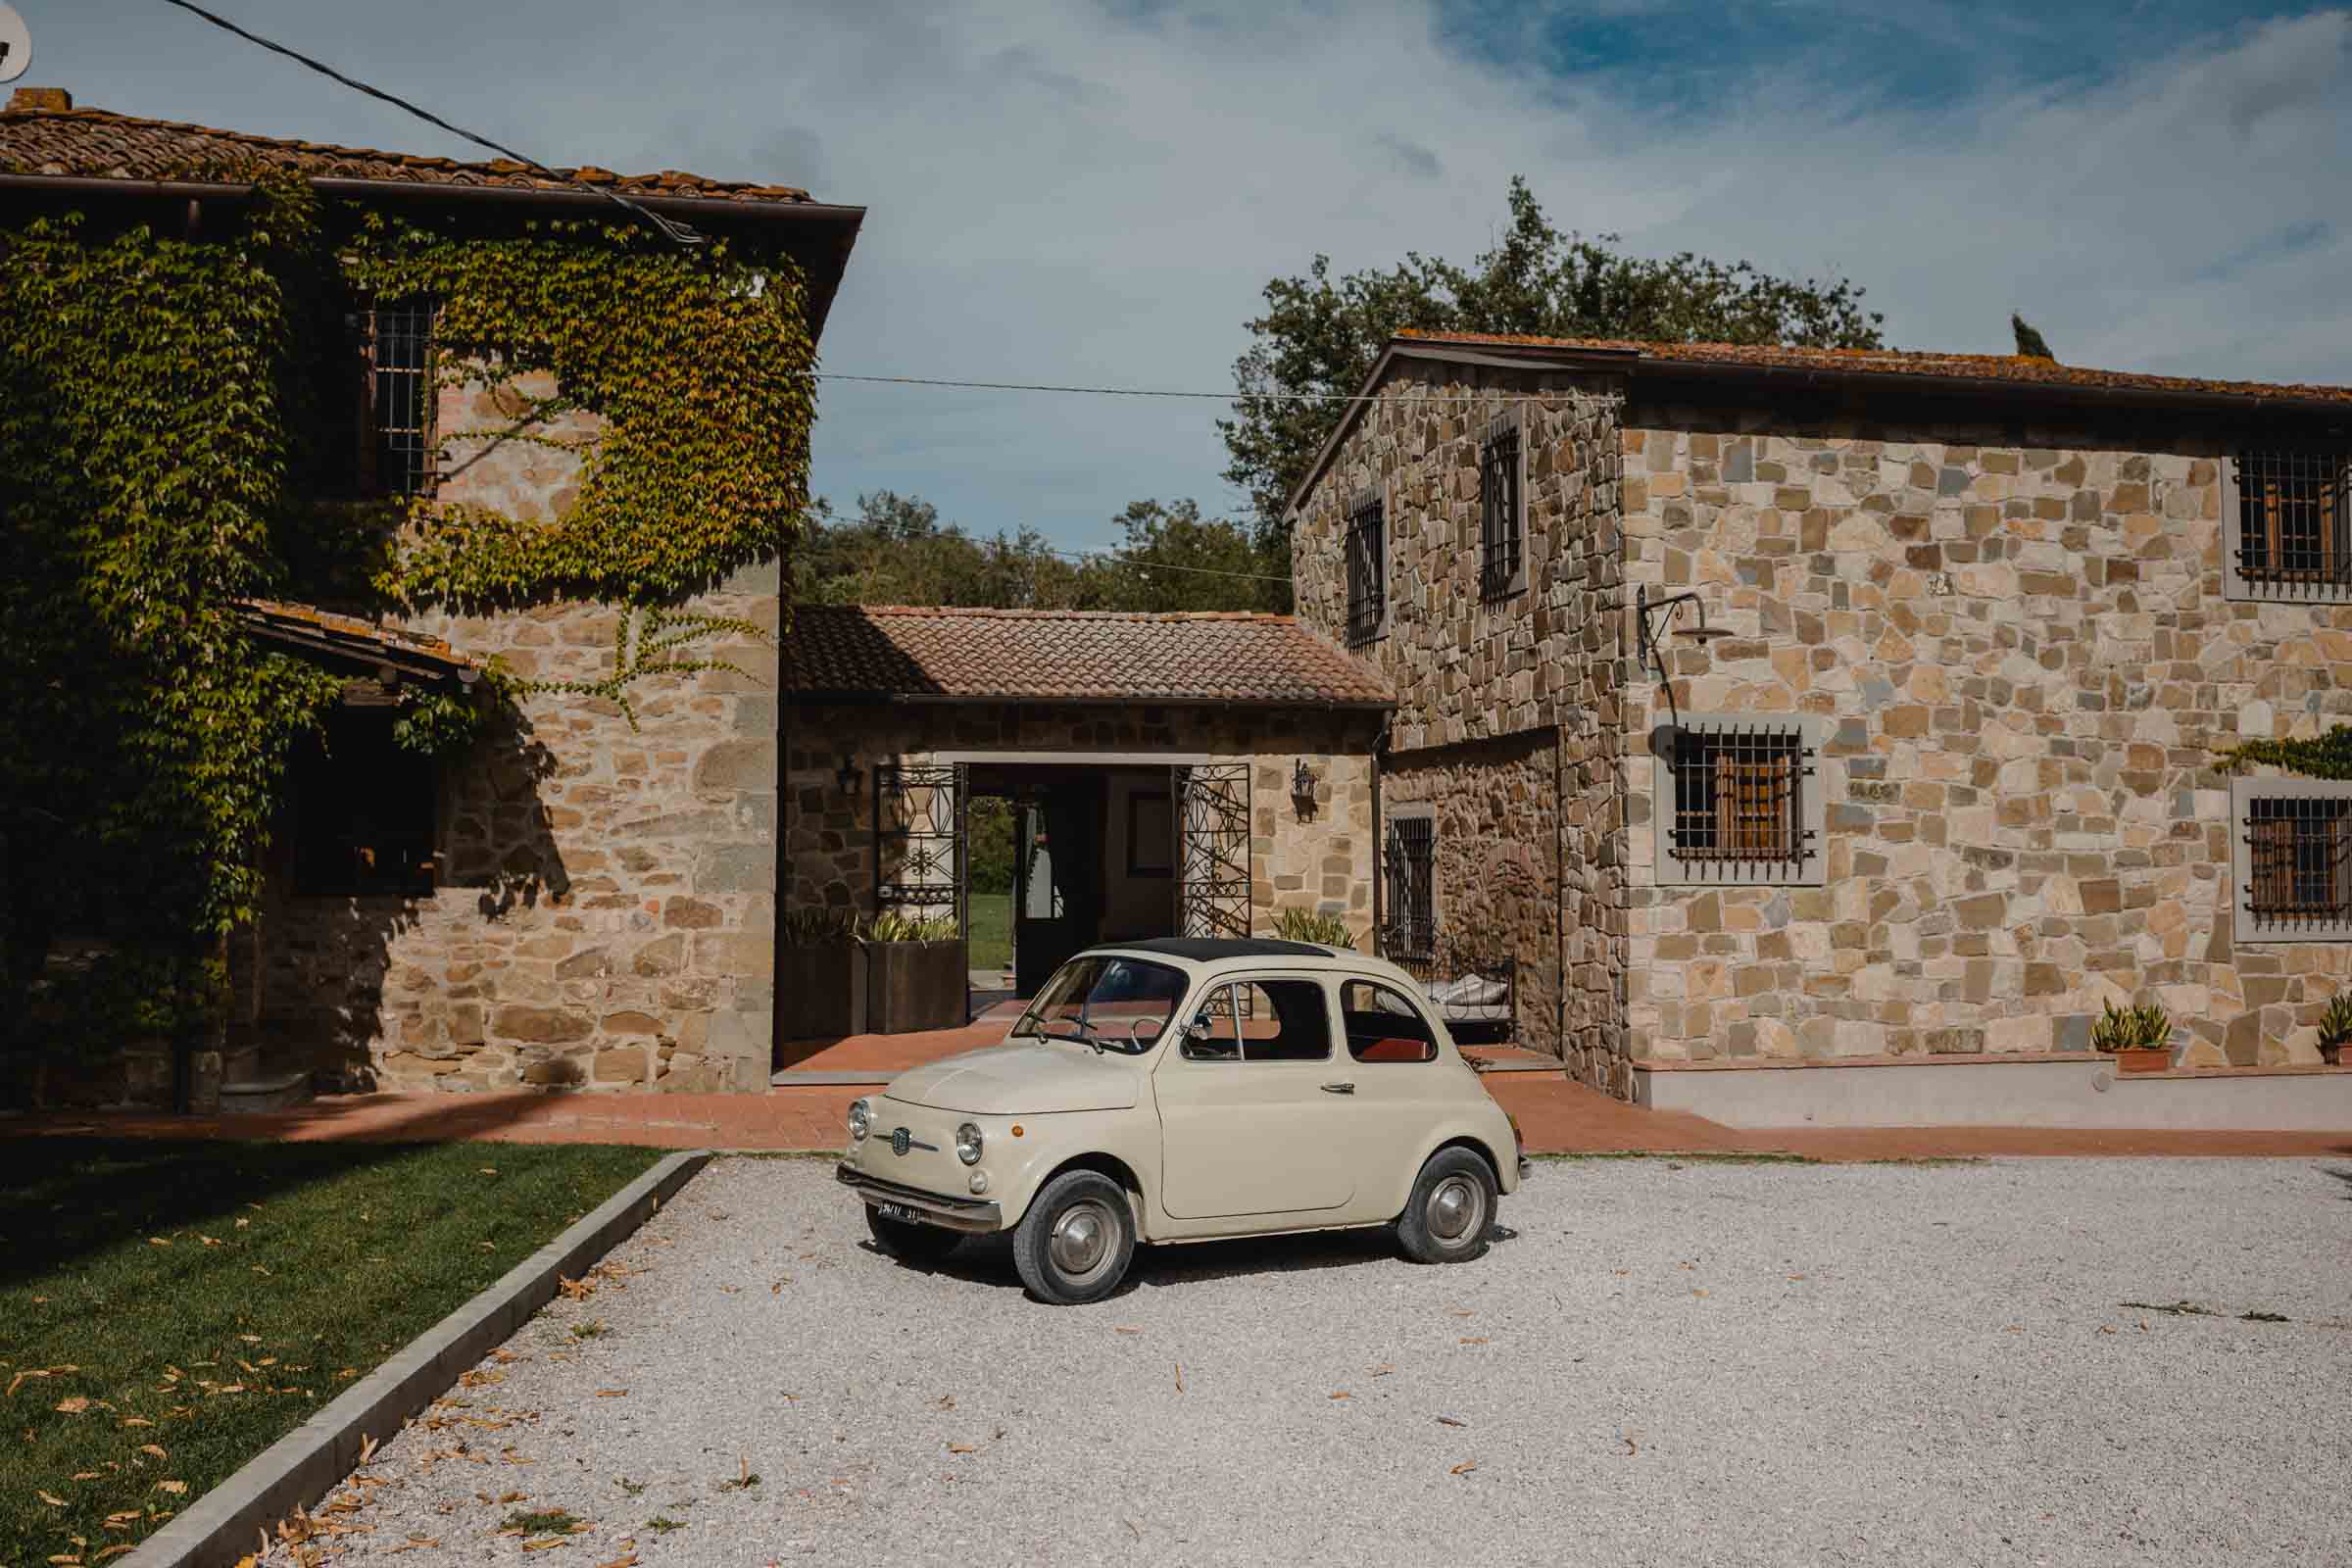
<point x="670" y="228"/>
<point x="1596" y="398"/>
<point x="1158" y="566"/>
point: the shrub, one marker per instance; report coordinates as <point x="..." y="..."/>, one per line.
<point x="892" y="925"/>
<point x="1311" y="925"/>
<point x="817" y="929"/>
<point x="2143" y="1027"/>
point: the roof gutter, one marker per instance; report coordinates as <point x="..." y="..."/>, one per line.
<point x="871" y="698"/>
<point x="1988" y="387"/>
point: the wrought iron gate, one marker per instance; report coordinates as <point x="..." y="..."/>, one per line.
<point x="1212" y="849"/>
<point x="919" y="860"/>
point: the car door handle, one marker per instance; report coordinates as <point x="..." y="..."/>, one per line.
<point x="1338" y="1089"/>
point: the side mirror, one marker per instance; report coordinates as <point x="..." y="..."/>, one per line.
<point x="1198" y="1029"/>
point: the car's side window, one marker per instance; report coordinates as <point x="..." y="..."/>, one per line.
<point x="1215" y="1032"/>
<point x="1382" y="1026"/>
<point x="1262" y="1020"/>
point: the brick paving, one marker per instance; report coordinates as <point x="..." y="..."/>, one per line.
<point x="1558" y="1117"/>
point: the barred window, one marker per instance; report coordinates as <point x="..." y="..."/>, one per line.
<point x="1737" y="801"/>
<point x="2290" y="521"/>
<point x="1503" y="520"/>
<point x="1367" y="573"/>
<point x="402" y="391"/>
<point x="1410" y="872"/>
<point x="2292" y="863"/>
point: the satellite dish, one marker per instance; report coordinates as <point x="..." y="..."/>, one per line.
<point x="16" y="45"/>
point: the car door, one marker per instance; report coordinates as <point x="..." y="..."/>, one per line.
<point x="1250" y="1108"/>
<point x="1401" y="1091"/>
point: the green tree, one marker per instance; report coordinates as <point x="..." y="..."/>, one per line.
<point x="1319" y="334"/>
<point x="2029" y="343"/>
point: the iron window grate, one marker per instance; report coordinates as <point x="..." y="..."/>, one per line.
<point x="402" y="388"/>
<point x="1499" y="532"/>
<point x="2294" y="529"/>
<point x="2300" y="852"/>
<point x="1735" y="794"/>
<point x="1412" y="904"/>
<point x="1367" y="577"/>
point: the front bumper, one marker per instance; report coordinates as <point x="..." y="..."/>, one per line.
<point x="973" y="1216"/>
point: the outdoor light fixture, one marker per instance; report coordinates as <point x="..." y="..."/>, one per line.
<point x="1302" y="788"/>
<point x="846" y="776"/>
<point x="1671" y="608"/>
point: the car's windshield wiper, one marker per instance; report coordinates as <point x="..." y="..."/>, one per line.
<point x="1086" y="1032"/>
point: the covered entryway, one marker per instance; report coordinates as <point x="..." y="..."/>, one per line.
<point x="1036" y="782"/>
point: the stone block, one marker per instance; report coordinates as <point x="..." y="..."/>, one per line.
<point x="691" y="914"/>
<point x="626" y="1064"/>
<point x="747" y="954"/>
<point x="664" y="956"/>
<point x="738" y="764"/>
<point x="736" y="868"/>
<point x="541" y="1025"/>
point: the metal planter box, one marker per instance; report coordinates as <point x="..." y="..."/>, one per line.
<point x="916" y="985"/>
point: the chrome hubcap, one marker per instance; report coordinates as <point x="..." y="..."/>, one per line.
<point x="1453" y="1207"/>
<point x="1080" y="1245"/>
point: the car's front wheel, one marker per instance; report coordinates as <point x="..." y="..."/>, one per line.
<point x="907" y="1240"/>
<point x="1447" y="1218"/>
<point x="1076" y="1241"/>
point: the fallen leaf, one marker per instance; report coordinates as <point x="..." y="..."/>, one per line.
<point x="1451" y="1421"/>
<point x="1343" y="1394"/>
<point x="1475" y="1339"/>
<point x="89" y="1475"/>
<point x="1383" y="1370"/>
<point x="136" y="1421"/>
<point x="1464" y="1311"/>
<point x="1464" y="1468"/>
<point x="626" y="1560"/>
<point x="504" y="1496"/>
<point x="242" y="1222"/>
<point x="1696" y="1290"/>
<point x="489" y="1171"/>
<point x="1797" y="1276"/>
<point x="366" y="1448"/>
<point x="73" y="1407"/>
<point x="209" y="1241"/>
<point x="612" y="1394"/>
<point x="1180" y="1377"/>
<point x="1126" y="1331"/>
<point x="961" y="1447"/>
<point x="175" y="1487"/>
<point x="549" y="1543"/>
<point x="156" y="1241"/>
<point x="52" y="1501"/>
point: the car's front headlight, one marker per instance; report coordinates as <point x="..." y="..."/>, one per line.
<point x="861" y="1120"/>
<point x="967" y="1144"/>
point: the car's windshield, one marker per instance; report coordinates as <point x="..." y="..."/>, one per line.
<point x="1110" y="1002"/>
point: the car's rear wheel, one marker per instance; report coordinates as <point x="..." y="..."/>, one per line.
<point x="908" y="1240"/>
<point x="1076" y="1241"/>
<point x="1451" y="1212"/>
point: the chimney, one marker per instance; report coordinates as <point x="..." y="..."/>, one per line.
<point x="41" y="98"/>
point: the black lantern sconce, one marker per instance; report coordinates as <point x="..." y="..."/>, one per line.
<point x="846" y="776"/>
<point x="1303" y="790"/>
<point x="1671" y="608"/>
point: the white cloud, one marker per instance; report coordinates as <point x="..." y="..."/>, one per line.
<point x="1062" y="191"/>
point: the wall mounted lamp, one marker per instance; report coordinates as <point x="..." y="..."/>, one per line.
<point x="1302" y="788"/>
<point x="846" y="776"/>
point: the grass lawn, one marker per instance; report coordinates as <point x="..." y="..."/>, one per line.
<point x="167" y="1309"/>
<point x="991" y="938"/>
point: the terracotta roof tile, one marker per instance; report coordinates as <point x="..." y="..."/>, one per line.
<point x="2011" y="367"/>
<point x="948" y="655"/>
<point x="311" y="629"/>
<point x="94" y="143"/>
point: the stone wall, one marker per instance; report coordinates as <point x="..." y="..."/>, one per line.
<point x="604" y="910"/>
<point x="2018" y="640"/>
<point x="1482" y="688"/>
<point x="1317" y="859"/>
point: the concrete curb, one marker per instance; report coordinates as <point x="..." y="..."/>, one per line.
<point x="306" y="1463"/>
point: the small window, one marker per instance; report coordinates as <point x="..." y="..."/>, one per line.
<point x="2292" y="861"/>
<point x="1261" y="1020"/>
<point x="1737" y="801"/>
<point x="1502" y="513"/>
<point x="1367" y="573"/>
<point x="2289" y="516"/>
<point x="363" y="811"/>
<point x="1382" y="1026"/>
<point x="401" y="390"/>
<point x="1411" y="876"/>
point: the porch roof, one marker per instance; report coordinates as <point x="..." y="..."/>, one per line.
<point x="896" y="654"/>
<point x="371" y="645"/>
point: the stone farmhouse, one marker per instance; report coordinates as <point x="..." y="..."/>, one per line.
<point x="1784" y="714"/>
<point x="577" y="904"/>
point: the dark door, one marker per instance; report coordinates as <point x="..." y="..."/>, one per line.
<point x="1056" y="882"/>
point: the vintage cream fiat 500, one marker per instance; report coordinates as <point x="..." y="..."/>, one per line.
<point x="1183" y="1090"/>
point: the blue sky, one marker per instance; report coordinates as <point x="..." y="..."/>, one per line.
<point x="1082" y="191"/>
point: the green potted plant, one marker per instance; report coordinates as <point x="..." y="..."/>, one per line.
<point x="1310" y="925"/>
<point x="2336" y="1027"/>
<point x="914" y="973"/>
<point x="2139" y="1038"/>
<point x="820" y="975"/>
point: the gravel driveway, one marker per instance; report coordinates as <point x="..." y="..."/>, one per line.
<point x="1667" y="1363"/>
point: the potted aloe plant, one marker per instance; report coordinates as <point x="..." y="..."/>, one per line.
<point x="820" y="975"/>
<point x="2336" y="1027"/>
<point x="914" y="973"/>
<point x="2139" y="1038"/>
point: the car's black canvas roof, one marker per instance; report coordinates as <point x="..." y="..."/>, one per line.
<point x="1208" y="950"/>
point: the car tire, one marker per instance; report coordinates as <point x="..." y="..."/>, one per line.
<point x="1074" y="1244"/>
<point x="909" y="1240"/>
<point x="1451" y="1212"/>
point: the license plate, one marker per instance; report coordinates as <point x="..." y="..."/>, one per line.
<point x="897" y="1211"/>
